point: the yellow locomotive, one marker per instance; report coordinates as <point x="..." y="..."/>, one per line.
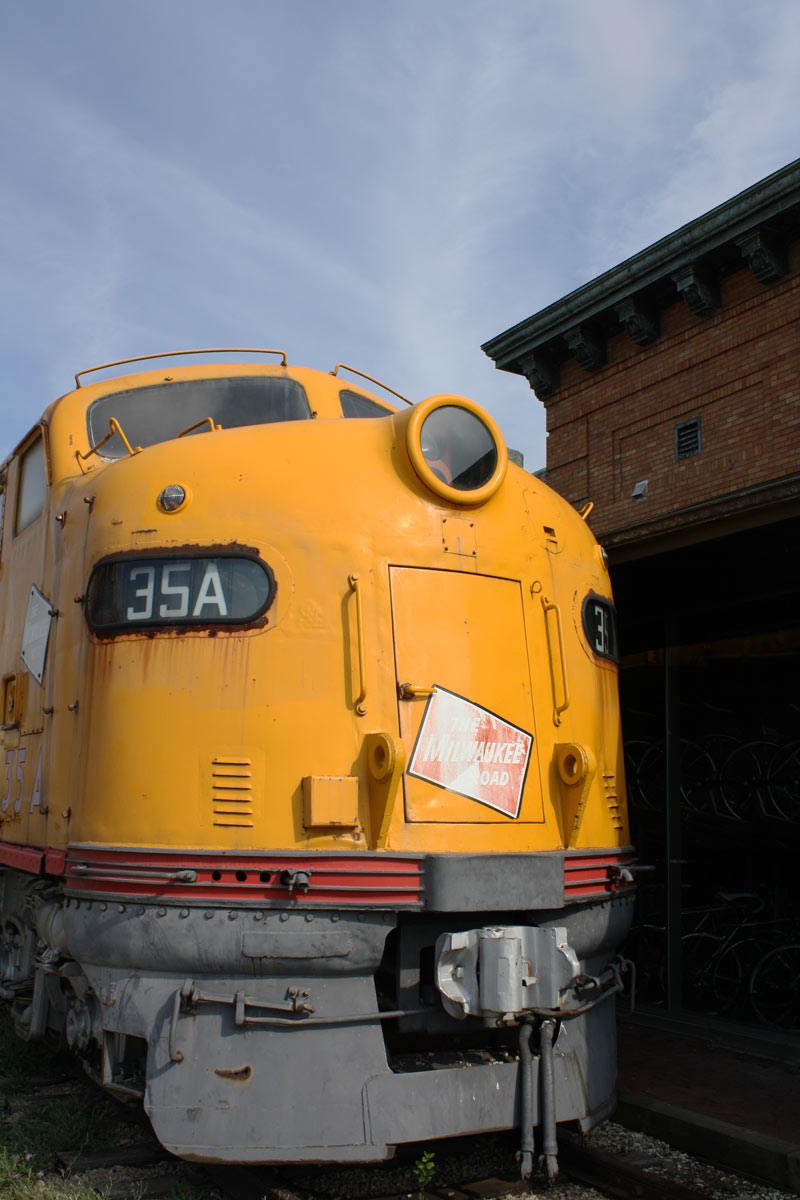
<point x="312" y="827"/>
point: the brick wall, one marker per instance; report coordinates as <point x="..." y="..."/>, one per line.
<point x="737" y="370"/>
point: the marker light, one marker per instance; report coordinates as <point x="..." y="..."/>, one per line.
<point x="172" y="497"/>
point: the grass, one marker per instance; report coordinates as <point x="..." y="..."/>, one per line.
<point x="30" y="1137"/>
<point x="19" y="1061"/>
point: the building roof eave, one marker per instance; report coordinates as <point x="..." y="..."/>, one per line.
<point x="761" y="504"/>
<point x="738" y="216"/>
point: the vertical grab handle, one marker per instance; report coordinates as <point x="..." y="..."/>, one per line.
<point x="550" y="606"/>
<point x="361" y="705"/>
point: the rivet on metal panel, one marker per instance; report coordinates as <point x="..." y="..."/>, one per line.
<point x="458" y="537"/>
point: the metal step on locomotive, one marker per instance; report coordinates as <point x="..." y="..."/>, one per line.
<point x="313" y="830"/>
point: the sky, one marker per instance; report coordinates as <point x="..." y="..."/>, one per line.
<point x="385" y="183"/>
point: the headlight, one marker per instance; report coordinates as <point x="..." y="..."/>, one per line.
<point x="135" y="593"/>
<point x="456" y="449"/>
<point x="172" y="497"/>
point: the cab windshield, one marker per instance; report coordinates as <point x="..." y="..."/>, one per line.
<point x="165" y="410"/>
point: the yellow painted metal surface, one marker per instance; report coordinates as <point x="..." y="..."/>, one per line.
<point x="465" y="633"/>
<point x="204" y="736"/>
<point x="330" y="801"/>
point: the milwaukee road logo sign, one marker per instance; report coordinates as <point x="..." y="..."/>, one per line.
<point x="472" y="752"/>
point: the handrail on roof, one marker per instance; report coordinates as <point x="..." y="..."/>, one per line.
<point x="121" y="362"/>
<point x="356" y="371"/>
<point x="114" y="428"/>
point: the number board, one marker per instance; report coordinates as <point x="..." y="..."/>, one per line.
<point x="195" y="590"/>
<point x="600" y="627"/>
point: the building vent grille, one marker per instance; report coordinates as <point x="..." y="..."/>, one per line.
<point x="687" y="438"/>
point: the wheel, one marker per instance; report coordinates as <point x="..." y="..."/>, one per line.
<point x="775" y="987"/>
<point x="699" y="951"/>
<point x="698" y="775"/>
<point x="783" y="784"/>
<point x="732" y="968"/>
<point x="634" y="753"/>
<point x="645" y="947"/>
<point x="743" y="780"/>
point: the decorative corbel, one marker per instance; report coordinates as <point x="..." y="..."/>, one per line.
<point x="765" y="255"/>
<point x="698" y="289"/>
<point x="586" y="348"/>
<point x="542" y="373"/>
<point x="640" y="324"/>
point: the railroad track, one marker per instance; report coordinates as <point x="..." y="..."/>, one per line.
<point x="143" y="1170"/>
<point x="618" y="1176"/>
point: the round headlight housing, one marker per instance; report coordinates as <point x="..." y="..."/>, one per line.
<point x="456" y="449"/>
<point x="172" y="497"/>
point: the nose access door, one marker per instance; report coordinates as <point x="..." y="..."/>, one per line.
<point x="465" y="701"/>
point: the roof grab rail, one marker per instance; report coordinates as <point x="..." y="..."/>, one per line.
<point x="121" y="362"/>
<point x="114" y="428"/>
<point x="205" y="421"/>
<point x="355" y="371"/>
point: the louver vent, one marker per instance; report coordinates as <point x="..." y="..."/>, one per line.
<point x="687" y="438"/>
<point x="231" y="791"/>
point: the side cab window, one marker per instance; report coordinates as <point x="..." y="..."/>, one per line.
<point x="31" y="485"/>
<point x="355" y="405"/>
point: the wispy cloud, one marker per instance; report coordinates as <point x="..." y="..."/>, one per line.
<point x="388" y="184"/>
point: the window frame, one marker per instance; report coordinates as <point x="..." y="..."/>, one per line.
<point x="36" y="440"/>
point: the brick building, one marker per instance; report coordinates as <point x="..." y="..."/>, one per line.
<point x="678" y="368"/>
<point x="673" y="404"/>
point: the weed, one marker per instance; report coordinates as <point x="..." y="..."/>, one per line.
<point x="424" y="1169"/>
<point x="32" y="1133"/>
<point x="21" y="1178"/>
